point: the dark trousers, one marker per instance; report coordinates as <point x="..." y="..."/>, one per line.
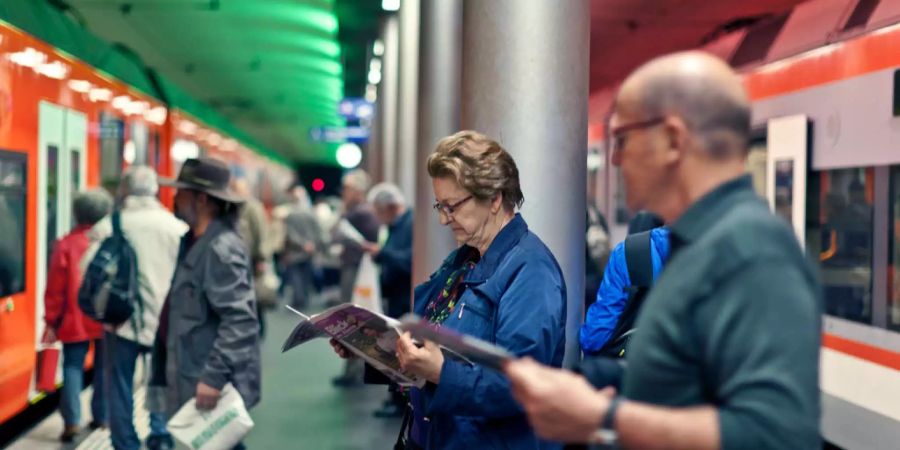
<point x="300" y="279"/>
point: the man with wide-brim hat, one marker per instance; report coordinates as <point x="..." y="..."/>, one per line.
<point x="208" y="175"/>
<point x="209" y="333"/>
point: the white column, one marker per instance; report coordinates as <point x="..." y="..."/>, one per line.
<point x="405" y="163"/>
<point x="525" y="83"/>
<point x="440" y="55"/>
<point x="388" y="98"/>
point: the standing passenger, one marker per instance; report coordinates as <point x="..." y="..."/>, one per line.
<point x="302" y="239"/>
<point x="209" y="334"/>
<point x="253" y="226"/>
<point x="395" y="261"/>
<point x="726" y="352"/>
<point x="361" y="215"/>
<point x="502" y="285"/>
<point x="153" y="233"/>
<point x="65" y="321"/>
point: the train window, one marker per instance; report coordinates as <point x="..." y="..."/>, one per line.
<point x="112" y="148"/>
<point x="893" y="311"/>
<point x="75" y="167"/>
<point x="52" y="197"/>
<point x="12" y="222"/>
<point x="839" y="229"/>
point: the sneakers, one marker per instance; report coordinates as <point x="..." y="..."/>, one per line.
<point x="160" y="443"/>
<point x="69" y="433"/>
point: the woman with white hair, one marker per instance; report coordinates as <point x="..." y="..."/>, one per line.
<point x="64" y="320"/>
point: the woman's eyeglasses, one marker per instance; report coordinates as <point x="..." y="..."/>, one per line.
<point x="449" y="209"/>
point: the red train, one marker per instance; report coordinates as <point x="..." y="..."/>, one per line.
<point x="65" y="126"/>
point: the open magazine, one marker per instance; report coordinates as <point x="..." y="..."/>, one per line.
<point x="465" y="347"/>
<point x="371" y="336"/>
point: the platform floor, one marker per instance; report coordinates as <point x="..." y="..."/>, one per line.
<point x="300" y="409"/>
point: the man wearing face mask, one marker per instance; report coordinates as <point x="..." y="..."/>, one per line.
<point x="209" y="333"/>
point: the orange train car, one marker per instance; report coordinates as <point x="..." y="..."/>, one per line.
<point x="64" y="127"/>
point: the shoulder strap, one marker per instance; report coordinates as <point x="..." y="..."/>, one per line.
<point x="116" y="222"/>
<point x="639" y="260"/>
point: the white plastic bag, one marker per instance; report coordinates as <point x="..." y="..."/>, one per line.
<point x="219" y="429"/>
<point x="366" y="289"/>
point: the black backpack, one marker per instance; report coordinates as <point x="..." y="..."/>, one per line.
<point x="109" y="289"/>
<point x="640" y="271"/>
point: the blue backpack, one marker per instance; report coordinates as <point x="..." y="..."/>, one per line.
<point x="109" y="289"/>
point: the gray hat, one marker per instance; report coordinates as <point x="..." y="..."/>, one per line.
<point x="207" y="175"/>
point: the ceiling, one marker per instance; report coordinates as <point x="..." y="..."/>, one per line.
<point x="272" y="67"/>
<point x="276" y="68"/>
<point x="626" y="33"/>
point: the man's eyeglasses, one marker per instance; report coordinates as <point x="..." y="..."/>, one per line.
<point x="448" y="209"/>
<point x="618" y="135"/>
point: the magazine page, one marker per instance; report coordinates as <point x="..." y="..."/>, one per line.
<point x="371" y="336"/>
<point x="468" y="347"/>
<point x="303" y="332"/>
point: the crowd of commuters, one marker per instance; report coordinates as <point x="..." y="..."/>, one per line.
<point x="722" y="352"/>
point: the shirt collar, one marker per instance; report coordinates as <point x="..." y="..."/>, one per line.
<point x="196" y="246"/>
<point x="704" y="213"/>
<point x="506" y="239"/>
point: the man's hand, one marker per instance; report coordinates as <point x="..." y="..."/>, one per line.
<point x="309" y="247"/>
<point x="371" y="248"/>
<point x="561" y="405"/>
<point x="341" y="351"/>
<point x="426" y="361"/>
<point x="207" y="396"/>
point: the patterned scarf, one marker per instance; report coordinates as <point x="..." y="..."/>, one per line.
<point x="442" y="306"/>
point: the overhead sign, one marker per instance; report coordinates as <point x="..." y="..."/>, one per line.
<point x="356" y="108"/>
<point x="339" y="134"/>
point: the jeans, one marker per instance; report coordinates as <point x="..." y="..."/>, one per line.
<point x="122" y="356"/>
<point x="73" y="382"/>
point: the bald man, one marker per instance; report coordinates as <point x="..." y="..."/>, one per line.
<point x="727" y="344"/>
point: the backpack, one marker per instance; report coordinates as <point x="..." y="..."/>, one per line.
<point x="640" y="273"/>
<point x="109" y="289"/>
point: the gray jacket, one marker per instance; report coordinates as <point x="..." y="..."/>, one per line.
<point x="212" y="333"/>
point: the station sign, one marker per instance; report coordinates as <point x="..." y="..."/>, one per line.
<point x="339" y="134"/>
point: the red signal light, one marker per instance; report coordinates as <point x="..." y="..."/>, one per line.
<point x="318" y="185"/>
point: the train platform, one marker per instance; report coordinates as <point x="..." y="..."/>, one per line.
<point x="300" y="408"/>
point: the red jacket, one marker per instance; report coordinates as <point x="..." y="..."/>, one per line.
<point x="61" y="309"/>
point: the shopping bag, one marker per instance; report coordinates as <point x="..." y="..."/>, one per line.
<point x="48" y="363"/>
<point x="366" y="291"/>
<point x="266" y="286"/>
<point x="219" y="429"/>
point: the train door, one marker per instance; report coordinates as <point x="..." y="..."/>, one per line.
<point x="787" y="140"/>
<point x="62" y="170"/>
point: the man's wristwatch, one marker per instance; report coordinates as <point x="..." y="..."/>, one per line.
<point x="607" y="434"/>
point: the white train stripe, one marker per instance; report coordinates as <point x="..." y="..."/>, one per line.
<point x="864" y="383"/>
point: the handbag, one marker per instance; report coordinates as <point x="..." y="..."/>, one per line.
<point x="48" y="363"/>
<point x="404" y="441"/>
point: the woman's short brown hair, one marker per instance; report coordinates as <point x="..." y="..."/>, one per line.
<point x="480" y="165"/>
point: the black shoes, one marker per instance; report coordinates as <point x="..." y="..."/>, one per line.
<point x="69" y="433"/>
<point x="160" y="443"/>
